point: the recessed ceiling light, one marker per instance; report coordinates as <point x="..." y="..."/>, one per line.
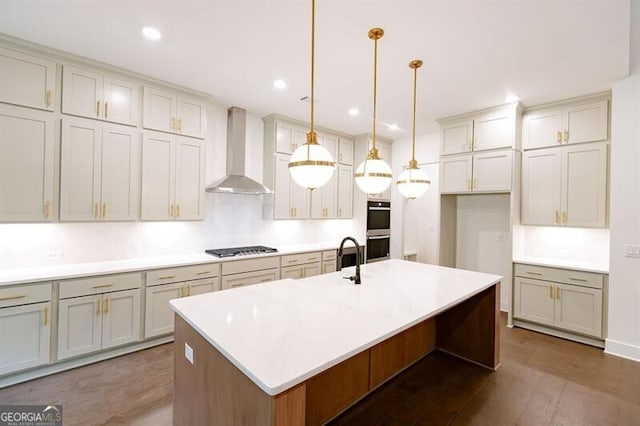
<point x="393" y="127"/>
<point x="151" y="33"/>
<point x="280" y="84"/>
<point x="354" y="112"/>
<point x="511" y="98"/>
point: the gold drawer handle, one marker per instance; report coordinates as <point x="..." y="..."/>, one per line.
<point x="106" y="109"/>
<point x="204" y="272"/>
<point x="47" y="205"/>
<point x="98" y="109"/>
<point x="559" y="137"/>
<point x="104" y="210"/>
<point x="168" y="277"/>
<point x="46" y="315"/>
<point x="103" y="286"/>
<point x="557" y="217"/>
<point x="557" y="292"/>
<point x="565" y="135"/>
<point x="292" y="261"/>
<point x="48" y="97"/>
<point x="13" y="297"/>
<point x="98" y="303"/>
<point x="582" y="280"/>
<point x="265" y="280"/>
<point x="313" y="258"/>
<point x="534" y="273"/>
<point x="551" y="292"/>
<point x="106" y="306"/>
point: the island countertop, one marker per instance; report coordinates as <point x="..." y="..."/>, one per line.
<point x="281" y="333"/>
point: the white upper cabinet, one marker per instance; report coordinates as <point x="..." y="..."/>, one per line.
<point x="586" y="121"/>
<point x="345" y="191"/>
<point x="168" y="112"/>
<point x="27" y="80"/>
<point x="26" y="164"/>
<point x="94" y="95"/>
<point x="490" y="129"/>
<point x="565" y="186"/>
<point x="324" y="200"/>
<point x="455" y="174"/>
<point x="172" y="177"/>
<point x="345" y="151"/>
<point x="98" y="169"/>
<point x="489" y="171"/>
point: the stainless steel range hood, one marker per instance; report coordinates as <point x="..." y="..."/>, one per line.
<point x="235" y="182"/>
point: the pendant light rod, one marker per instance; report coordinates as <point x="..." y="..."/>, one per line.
<point x="313" y="55"/>
<point x="415" y="64"/>
<point x="375" y="34"/>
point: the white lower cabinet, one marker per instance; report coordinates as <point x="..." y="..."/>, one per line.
<point x="570" y="301"/>
<point x="302" y="271"/>
<point x="249" y="278"/>
<point x="25" y="327"/>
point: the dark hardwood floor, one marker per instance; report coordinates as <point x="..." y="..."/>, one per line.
<point x="542" y="381"/>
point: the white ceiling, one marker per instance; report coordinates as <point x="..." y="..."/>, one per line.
<point x="474" y="51"/>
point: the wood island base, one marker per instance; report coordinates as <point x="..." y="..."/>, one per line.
<point x="212" y="391"/>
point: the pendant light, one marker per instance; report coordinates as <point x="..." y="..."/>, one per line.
<point x="311" y="166"/>
<point x="373" y="175"/>
<point x="413" y="182"/>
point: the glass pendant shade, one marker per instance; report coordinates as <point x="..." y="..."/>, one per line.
<point x="373" y="175"/>
<point x="311" y="166"/>
<point x="413" y="183"/>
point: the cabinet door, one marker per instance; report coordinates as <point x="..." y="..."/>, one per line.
<point x="585" y="185"/>
<point x="82" y="93"/>
<point x="311" y="269"/>
<point x="158" y="314"/>
<point x="456" y="137"/>
<point x="492" y="171"/>
<point x="248" y="278"/>
<point x="494" y="130"/>
<point x="345" y="151"/>
<point x="192" y="117"/>
<point x="79" y="326"/>
<point x="24" y="332"/>
<point x="157" y="191"/>
<point x="294" y="272"/>
<point x="284" y="138"/>
<point x="300" y="200"/>
<point x="26" y="165"/>
<point x="158" y="110"/>
<point x="27" y="80"/>
<point x="330" y="143"/>
<point x="80" y="170"/>
<point x="345" y="192"/>
<point x="455" y="174"/>
<point x="542" y="128"/>
<point x="189" y="192"/>
<point x="579" y="309"/>
<point x="586" y="122"/>
<point x="533" y="300"/>
<point x="328" y="266"/>
<point x="281" y="194"/>
<point x="121" y="101"/>
<point x="120" y="159"/>
<point x="541" y="186"/>
<point x="324" y="200"/>
<point x="120" y="318"/>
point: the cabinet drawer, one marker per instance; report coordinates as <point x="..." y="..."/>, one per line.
<point x="248" y="278"/>
<point x="24" y="294"/>
<point x="185" y="273"/>
<point x="98" y="285"/>
<point x="239" y="266"/>
<point x="579" y="278"/>
<point x="301" y="258"/>
<point x="329" y="255"/>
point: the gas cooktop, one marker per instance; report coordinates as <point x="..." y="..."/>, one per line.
<point x="240" y="251"/>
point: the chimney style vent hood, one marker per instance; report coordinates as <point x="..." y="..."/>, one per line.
<point x="235" y="182"/>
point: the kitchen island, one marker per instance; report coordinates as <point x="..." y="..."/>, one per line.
<point x="295" y="352"/>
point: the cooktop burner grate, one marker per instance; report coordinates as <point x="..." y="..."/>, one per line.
<point x="240" y="251"/>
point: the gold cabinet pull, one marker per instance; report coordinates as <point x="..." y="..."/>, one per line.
<point x="104" y="210"/>
<point x="551" y="291"/>
<point x="46" y="315"/>
<point x="565" y="135"/>
<point x="98" y="304"/>
<point x="103" y="286"/>
<point x="582" y="280"/>
<point x="96" y="212"/>
<point x="534" y="273"/>
<point x="265" y="280"/>
<point x="166" y="277"/>
<point x="475" y="184"/>
<point x="48" y="98"/>
<point x="177" y="210"/>
<point x="182" y="291"/>
<point x="564" y="217"/>
<point x="22" y="296"/>
<point x="173" y="123"/>
<point x="203" y="272"/>
<point x="559" y="137"/>
<point x="106" y="109"/>
<point x="98" y="109"/>
<point x="46" y="210"/>
<point x="179" y="124"/>
<point x="106" y="306"/>
<point x="557" y="292"/>
<point x="171" y="210"/>
<point x="557" y="217"/>
<point x="295" y="212"/>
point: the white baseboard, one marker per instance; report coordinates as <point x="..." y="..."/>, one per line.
<point x="623" y="350"/>
<point x="504" y="306"/>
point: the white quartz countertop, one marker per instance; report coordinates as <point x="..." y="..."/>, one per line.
<point x="281" y="333"/>
<point x="564" y="264"/>
<point x="75" y="270"/>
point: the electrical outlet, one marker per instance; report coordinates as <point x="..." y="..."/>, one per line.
<point x="188" y="352"/>
<point x="53" y="256"/>
<point x="632" y="250"/>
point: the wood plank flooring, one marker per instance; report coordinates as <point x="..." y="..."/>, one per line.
<point x="543" y="380"/>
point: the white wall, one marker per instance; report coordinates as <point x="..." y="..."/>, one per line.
<point x="624" y="277"/>
<point x="229" y="220"/>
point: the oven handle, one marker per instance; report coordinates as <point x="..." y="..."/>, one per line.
<point x="381" y="237"/>
<point x="380" y="208"/>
